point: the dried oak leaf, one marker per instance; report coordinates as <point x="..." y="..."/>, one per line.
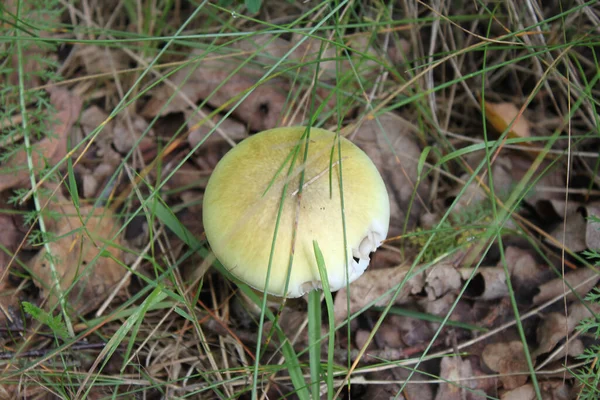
<point x="33" y="56"/>
<point x="373" y="284"/>
<point x="127" y="132"/>
<point x="585" y="277"/>
<point x="412" y="331"/>
<point x="507" y="170"/>
<point x="234" y="130"/>
<point x="525" y="273"/>
<point x="556" y="325"/>
<point x="551" y="390"/>
<point x="571" y="234"/>
<point x="398" y="168"/>
<point x="592" y="231"/>
<point x="489" y="283"/>
<point x="268" y="49"/>
<point x="474" y="193"/>
<point x="10" y="238"/>
<point x="86" y="277"/>
<point x="506" y="359"/>
<point x="501" y="115"/>
<point x="454" y="369"/>
<point x="48" y="151"/>
<point x="551" y="178"/>
<point x="261" y="110"/>
<point x="525" y="392"/>
<point x="441" y="279"/>
<point x="441" y="307"/>
<point x="101" y="60"/>
<point x="411" y="391"/>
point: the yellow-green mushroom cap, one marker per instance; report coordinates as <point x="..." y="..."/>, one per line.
<point x="243" y="197"/>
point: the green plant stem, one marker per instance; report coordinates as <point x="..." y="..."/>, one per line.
<point x="314" y="341"/>
<point x="28" y="148"/>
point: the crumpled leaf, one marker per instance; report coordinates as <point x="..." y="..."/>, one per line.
<point x="441" y="307"/>
<point x="441" y="279"/>
<point x="49" y="150"/>
<point x="34" y="55"/>
<point x="10" y="238"/>
<point x="398" y="331"/>
<point x="303" y="57"/>
<point x="101" y="59"/>
<point x="500" y="115"/>
<point x="399" y="174"/>
<point x="474" y="193"/>
<point x="525" y="392"/>
<point x="572" y="234"/>
<point x="372" y="284"/>
<point x="412" y="391"/>
<point x="507" y="170"/>
<point x="556" y="325"/>
<point x="292" y="321"/>
<point x="574" y="349"/>
<point x="261" y="110"/>
<point x="489" y="283"/>
<point x="525" y="273"/>
<point x="73" y="254"/>
<point x="128" y="130"/>
<point x="454" y="369"/>
<point x="557" y="286"/>
<point x="551" y="177"/>
<point x="592" y="231"/>
<point x="368" y="57"/>
<point x="551" y="390"/>
<point x="506" y="358"/>
<point x="234" y="130"/>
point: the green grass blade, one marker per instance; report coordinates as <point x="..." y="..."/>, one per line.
<point x="330" y="317"/>
<point x="314" y="341"/>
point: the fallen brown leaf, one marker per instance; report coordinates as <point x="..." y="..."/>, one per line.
<point x="525" y="392"/>
<point x="10" y="238"/>
<point x="373" y="284"/>
<point x="412" y="331"/>
<point x="592" y="231"/>
<point x="551" y="390"/>
<point x="558" y="286"/>
<point x="475" y="192"/>
<point x="440" y="307"/>
<point x="454" y="369"/>
<point x="501" y="115"/>
<point x="508" y="169"/>
<point x="234" y="130"/>
<point x="127" y="132"/>
<point x="34" y="57"/>
<point x="507" y="358"/>
<point x="99" y="60"/>
<point x="261" y="110"/>
<point x="48" y="151"/>
<point x="86" y="281"/>
<point x="399" y="173"/>
<point x="272" y="49"/>
<point x="572" y="233"/>
<point x="441" y="279"/>
<point x="526" y="274"/>
<point x="489" y="283"/>
<point x="556" y="325"/>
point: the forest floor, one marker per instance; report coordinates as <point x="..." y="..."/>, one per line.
<point x="481" y="117"/>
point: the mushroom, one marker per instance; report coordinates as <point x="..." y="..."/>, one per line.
<point x="261" y="223"/>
